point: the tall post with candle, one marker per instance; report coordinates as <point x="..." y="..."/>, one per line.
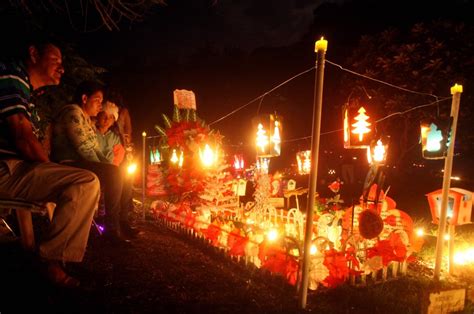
<point x="321" y="47"/>
<point x="456" y="91"/>
<point x="143" y="172"/>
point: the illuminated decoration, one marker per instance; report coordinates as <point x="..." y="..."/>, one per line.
<point x="377" y="152"/>
<point x="262" y="139"/>
<point x="356" y="128"/>
<point x="459" y="206"/>
<point x="155" y="156"/>
<point x="208" y="156"/>
<point x="303" y="159"/>
<point x="268" y="130"/>
<point x="361" y="126"/>
<point x="272" y="235"/>
<point x="262" y="165"/>
<point x="175" y="159"/>
<point x="239" y="162"/>
<point x="464" y="257"/>
<point x="435" y="138"/>
<point x="131" y="168"/>
<point x="276" y="138"/>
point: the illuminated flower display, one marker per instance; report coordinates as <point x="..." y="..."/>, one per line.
<point x="183" y="138"/>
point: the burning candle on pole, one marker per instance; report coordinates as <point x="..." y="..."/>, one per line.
<point x="321" y="47"/>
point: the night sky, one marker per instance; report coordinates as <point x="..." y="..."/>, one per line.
<point x="230" y="52"/>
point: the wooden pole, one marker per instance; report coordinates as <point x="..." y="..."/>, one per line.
<point x="451" y="232"/>
<point x="143" y="172"/>
<point x="321" y="47"/>
<point x="456" y="91"/>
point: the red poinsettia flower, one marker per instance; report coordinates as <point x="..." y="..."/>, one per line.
<point x="212" y="233"/>
<point x="335" y="186"/>
<point x="336" y="263"/>
<point x="283" y="264"/>
<point x="392" y="249"/>
<point x="399" y="248"/>
<point x="237" y="244"/>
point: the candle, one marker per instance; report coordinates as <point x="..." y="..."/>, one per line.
<point x="456" y="89"/>
<point x="321" y="45"/>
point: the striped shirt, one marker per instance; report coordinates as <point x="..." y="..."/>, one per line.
<point x="15" y="94"/>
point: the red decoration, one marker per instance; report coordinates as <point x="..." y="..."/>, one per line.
<point x="336" y="263"/>
<point x="212" y="233"/>
<point x="335" y="186"/>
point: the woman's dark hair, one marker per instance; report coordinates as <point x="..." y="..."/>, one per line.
<point x="86" y="88"/>
<point x="113" y="95"/>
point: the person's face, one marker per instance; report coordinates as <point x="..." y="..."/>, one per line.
<point x="48" y="64"/>
<point x="105" y="120"/>
<point x="92" y="104"/>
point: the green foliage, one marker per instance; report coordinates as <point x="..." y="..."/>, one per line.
<point x="160" y="130"/>
<point x="187" y="114"/>
<point x="166" y="120"/>
<point x="428" y="58"/>
<point x="176" y="115"/>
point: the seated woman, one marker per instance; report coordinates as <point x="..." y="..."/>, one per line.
<point x="108" y="136"/>
<point x="75" y="143"/>
<point x="110" y="143"/>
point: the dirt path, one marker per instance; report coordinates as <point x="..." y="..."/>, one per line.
<point x="162" y="272"/>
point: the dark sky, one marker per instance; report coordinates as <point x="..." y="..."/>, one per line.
<point x="231" y="51"/>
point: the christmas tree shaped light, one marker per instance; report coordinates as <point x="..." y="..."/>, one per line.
<point x="361" y="126"/>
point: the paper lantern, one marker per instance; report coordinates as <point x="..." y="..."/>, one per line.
<point x="435" y="138"/>
<point x="177" y="157"/>
<point x="303" y="159"/>
<point x="239" y="163"/>
<point x="155" y="156"/>
<point x="459" y="205"/>
<point x="377" y="151"/>
<point x="357" y="128"/>
<point x="262" y="165"/>
<point x="268" y="130"/>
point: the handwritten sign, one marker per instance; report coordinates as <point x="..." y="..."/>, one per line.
<point x="184" y="99"/>
<point x="446" y="301"/>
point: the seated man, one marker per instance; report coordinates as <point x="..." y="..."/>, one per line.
<point x="75" y="143"/>
<point x="27" y="173"/>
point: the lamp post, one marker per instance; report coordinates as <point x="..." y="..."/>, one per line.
<point x="321" y="47"/>
<point x="143" y="172"/>
<point x="456" y="91"/>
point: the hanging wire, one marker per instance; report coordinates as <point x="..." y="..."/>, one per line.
<point x="379" y="120"/>
<point x="341" y="68"/>
<point x="263" y="95"/>
<point x="260" y="104"/>
<point x="382" y="82"/>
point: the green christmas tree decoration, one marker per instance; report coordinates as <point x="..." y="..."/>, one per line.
<point x="193" y="115"/>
